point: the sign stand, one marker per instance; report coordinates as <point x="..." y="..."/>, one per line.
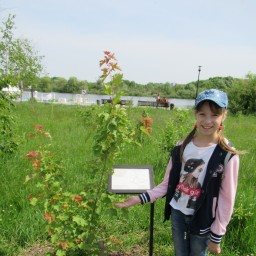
<point x="127" y="179"/>
<point x="151" y="238"/>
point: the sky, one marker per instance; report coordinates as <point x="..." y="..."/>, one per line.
<point x="155" y="41"/>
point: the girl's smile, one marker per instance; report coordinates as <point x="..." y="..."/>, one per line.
<point x="208" y="122"/>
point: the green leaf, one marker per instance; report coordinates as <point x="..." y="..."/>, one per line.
<point x="28" y="178"/>
<point x="54" y="238"/>
<point x="63" y="217"/>
<point x="79" y="220"/>
<point x="56" y="184"/>
<point x="56" y="207"/>
<point x="40" y="185"/>
<point x="60" y="253"/>
<point x="117" y="80"/>
<point x="33" y="201"/>
<point x="108" y="89"/>
<point x="46" y="204"/>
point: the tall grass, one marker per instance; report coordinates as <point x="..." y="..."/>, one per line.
<point x="21" y="225"/>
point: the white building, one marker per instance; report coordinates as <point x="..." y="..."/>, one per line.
<point x="12" y="89"/>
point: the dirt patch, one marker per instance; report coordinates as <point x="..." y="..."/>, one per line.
<point x="42" y="249"/>
<point x="37" y="250"/>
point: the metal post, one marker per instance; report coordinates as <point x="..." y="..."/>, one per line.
<point x="151" y="239"/>
<point x="199" y="69"/>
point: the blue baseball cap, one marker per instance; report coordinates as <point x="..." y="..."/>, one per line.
<point x="218" y="97"/>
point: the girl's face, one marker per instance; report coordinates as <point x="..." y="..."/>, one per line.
<point x="209" y="118"/>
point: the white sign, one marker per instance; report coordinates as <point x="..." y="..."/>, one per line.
<point x="84" y="92"/>
<point x="131" y="179"/>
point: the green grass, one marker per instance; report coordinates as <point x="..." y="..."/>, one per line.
<point x="21" y="225"/>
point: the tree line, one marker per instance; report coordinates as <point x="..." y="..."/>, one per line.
<point x="131" y="88"/>
<point x="242" y="92"/>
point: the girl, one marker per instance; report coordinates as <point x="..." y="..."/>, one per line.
<point x="200" y="181"/>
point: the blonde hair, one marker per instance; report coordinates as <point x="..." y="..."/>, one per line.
<point x="223" y="142"/>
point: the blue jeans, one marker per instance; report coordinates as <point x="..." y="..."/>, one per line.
<point x="186" y="244"/>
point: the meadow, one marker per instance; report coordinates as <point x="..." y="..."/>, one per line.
<point x="22" y="225"/>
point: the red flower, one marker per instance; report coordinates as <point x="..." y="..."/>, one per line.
<point x="32" y="155"/>
<point x="77" y="199"/>
<point x="147" y="121"/>
<point x="49" y="217"/>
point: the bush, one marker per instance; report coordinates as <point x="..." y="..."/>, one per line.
<point x="242" y="96"/>
<point x="176" y="129"/>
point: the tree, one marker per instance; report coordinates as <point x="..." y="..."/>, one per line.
<point x="167" y="88"/>
<point x="6" y="45"/>
<point x="7" y="141"/>
<point x="58" y="84"/>
<point x="83" y="85"/>
<point x="27" y="62"/>
<point x="20" y="64"/>
<point x="44" y="84"/>
<point x="242" y="96"/>
<point x="72" y="85"/>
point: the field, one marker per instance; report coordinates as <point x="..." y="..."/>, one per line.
<point x="22" y="225"/>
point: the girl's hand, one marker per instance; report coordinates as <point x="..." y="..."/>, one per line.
<point x="214" y="248"/>
<point x="129" y="202"/>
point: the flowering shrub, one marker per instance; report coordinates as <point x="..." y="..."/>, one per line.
<point x="67" y="215"/>
<point x="147" y="121"/>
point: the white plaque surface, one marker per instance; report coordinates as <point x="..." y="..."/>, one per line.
<point x="129" y="179"/>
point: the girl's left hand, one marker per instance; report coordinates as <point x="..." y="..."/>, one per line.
<point x="214" y="248"/>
